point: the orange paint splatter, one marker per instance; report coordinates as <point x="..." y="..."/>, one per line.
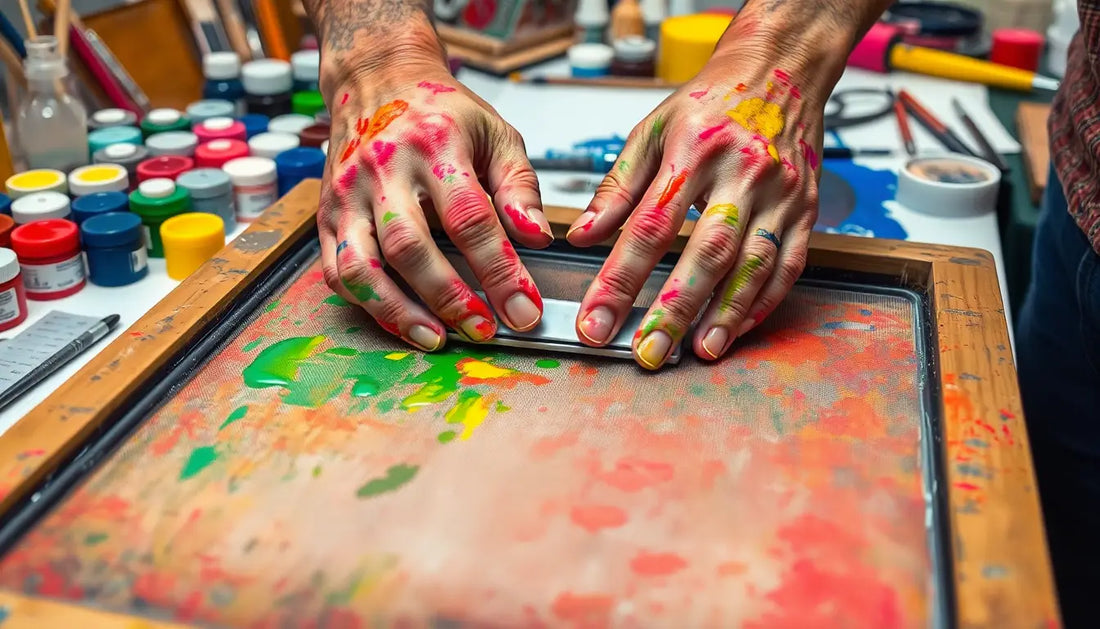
<point x="632" y="475"/>
<point x="595" y="517"/>
<point x="671" y="189"/>
<point x="368" y="128"/>
<point x="583" y="610"/>
<point x="657" y="564"/>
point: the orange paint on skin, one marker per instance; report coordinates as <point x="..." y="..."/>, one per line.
<point x="592" y="518"/>
<point x="671" y="189"/>
<point x="583" y="610"/>
<point x="368" y="128"/>
<point x="657" y="564"/>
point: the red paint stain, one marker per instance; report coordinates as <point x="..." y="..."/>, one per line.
<point x="788" y="165"/>
<point x="657" y="564"/>
<point x="347" y="180"/>
<point x="389" y="326"/>
<point x="592" y="518"/>
<point x="375" y="263"/>
<point x="1006" y="415"/>
<point x="441" y="171"/>
<point x="809" y="153"/>
<point x="698" y="94"/>
<point x="1007" y="434"/>
<point x="345" y="98"/>
<point x="672" y="188"/>
<point x="795" y="92"/>
<point x="708" y="133"/>
<point x="435" y="88"/>
<point x="473" y="306"/>
<point x="137" y="334"/>
<point x="670" y="294"/>
<point x="967" y="486"/>
<point x="431" y="132"/>
<point x="583" y="610"/>
<point x="383" y="151"/>
<point x="782" y="76"/>
<point x="522" y="222"/>
<point x="633" y="475"/>
<point x="741" y="87"/>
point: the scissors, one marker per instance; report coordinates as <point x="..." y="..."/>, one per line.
<point x="869" y="104"/>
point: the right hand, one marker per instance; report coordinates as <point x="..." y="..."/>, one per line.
<point x="411" y="137"/>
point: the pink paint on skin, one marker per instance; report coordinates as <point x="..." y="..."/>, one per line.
<point x="522" y="221"/>
<point x="435" y="88"/>
<point x="788" y="165"/>
<point x="670" y="295"/>
<point x="375" y="263"/>
<point x="442" y="170"/>
<point x="390" y="327"/>
<point x="344" y="100"/>
<point x="383" y="151"/>
<point x="699" y="94"/>
<point x="796" y="92"/>
<point x="809" y="153"/>
<point x="708" y="133"/>
<point x="431" y="132"/>
<point x="782" y="76"/>
<point x="347" y="180"/>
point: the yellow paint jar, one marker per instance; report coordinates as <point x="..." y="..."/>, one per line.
<point x="687" y="42"/>
<point x="98" y="178"/>
<point x="191" y="239"/>
<point x="38" y="180"/>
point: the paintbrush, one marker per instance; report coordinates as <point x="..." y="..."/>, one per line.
<point x="903" y="125"/>
<point x="27" y="21"/>
<point x="627" y="20"/>
<point x="61" y="26"/>
<point x="603" y="81"/>
<point x="14" y="64"/>
<point x="987" y="149"/>
<point x="934" y="126"/>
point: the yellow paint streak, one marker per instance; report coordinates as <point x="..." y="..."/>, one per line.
<point x="470" y="411"/>
<point x="726" y="212"/>
<point x="481" y="370"/>
<point x="396" y="355"/>
<point x="758" y="116"/>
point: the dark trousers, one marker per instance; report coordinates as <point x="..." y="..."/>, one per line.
<point x="1058" y="357"/>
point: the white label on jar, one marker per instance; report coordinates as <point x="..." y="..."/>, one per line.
<point x="49" y="278"/>
<point x="148" y="238"/>
<point x="253" y="200"/>
<point x="9" y="305"/>
<point x="138" y="259"/>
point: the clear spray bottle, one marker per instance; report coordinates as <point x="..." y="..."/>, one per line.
<point x="52" y="122"/>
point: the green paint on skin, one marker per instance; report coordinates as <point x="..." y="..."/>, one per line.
<point x="237" y="414"/>
<point x="343" y="598"/>
<point x="253" y="345"/>
<point x="691" y="281"/>
<point x="94" y="538"/>
<point x="316" y="471"/>
<point x="200" y="459"/>
<point x="395" y="477"/>
<point x="501" y="408"/>
<point x="547" y="363"/>
<point x="388" y="216"/>
<point x="624" y="166"/>
<point x="652" y="322"/>
<point x="449" y="179"/>
<point x="363" y="292"/>
<point x="336" y="300"/>
<point x="740" y="280"/>
<point x="446" y="437"/>
<point x="658" y="127"/>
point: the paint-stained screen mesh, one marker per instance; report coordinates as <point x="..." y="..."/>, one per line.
<point x="316" y="473"/>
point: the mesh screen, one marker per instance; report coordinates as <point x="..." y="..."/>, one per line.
<point x="316" y="473"/>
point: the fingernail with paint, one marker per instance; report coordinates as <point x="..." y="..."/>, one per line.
<point x="425" y="338"/>
<point x="654" y="348"/>
<point x="582" y="222"/>
<point x="715" y="341"/>
<point x="522" y="313"/>
<point x="745" y="327"/>
<point x="539" y="219"/>
<point x="597" y="325"/>
<point x="477" y="328"/>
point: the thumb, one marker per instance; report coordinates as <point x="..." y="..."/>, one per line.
<point x="514" y="187"/>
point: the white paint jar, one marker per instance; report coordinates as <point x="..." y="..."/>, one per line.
<point x="255" y="185"/>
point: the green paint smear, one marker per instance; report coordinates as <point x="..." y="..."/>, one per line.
<point x="446" y="437"/>
<point x="698" y="390"/>
<point x="364" y="293"/>
<point x="316" y="471"/>
<point x="336" y="300"/>
<point x="652" y="322"/>
<point x="199" y="460"/>
<point x="342" y="598"/>
<point x="253" y="345"/>
<point x="94" y="538"/>
<point x="466" y="401"/>
<point x="658" y="127"/>
<point x="373" y="373"/>
<point x="547" y="363"/>
<point x="440" y="380"/>
<point x="740" y="279"/>
<point x="388" y="216"/>
<point x="352" y="330"/>
<point x="395" y="477"/>
<point x="237" y="414"/>
<point x="277" y="365"/>
<point x="624" y="166"/>
<point x="501" y="408"/>
<point x="273" y="305"/>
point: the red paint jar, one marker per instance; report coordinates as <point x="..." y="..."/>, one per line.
<point x="49" y="258"/>
<point x="216" y="153"/>
<point x="13" y="297"/>
<point x="170" y="166"/>
<point x="219" y="128"/>
<point x="7" y="224"/>
<point x="1017" y="47"/>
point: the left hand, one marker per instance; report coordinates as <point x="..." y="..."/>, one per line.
<point x="742" y="144"/>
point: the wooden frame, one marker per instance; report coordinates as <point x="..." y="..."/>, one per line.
<point x="998" y="557"/>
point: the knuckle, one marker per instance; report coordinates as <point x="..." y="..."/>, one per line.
<point x="652" y="233"/>
<point x="451" y="300"/>
<point x="354" y="271"/>
<point x="681" y="308"/>
<point x="717" y="251"/>
<point x="619" y="283"/>
<point x="469" y="217"/>
<point x="332" y="277"/>
<point x="403" y="246"/>
<point x="792" y="267"/>
<point x="389" y="310"/>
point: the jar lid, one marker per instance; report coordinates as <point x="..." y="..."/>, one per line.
<point x="172" y="143"/>
<point x="36" y="180"/>
<point x="266" y="76"/>
<point x="306" y="65"/>
<point x="9" y="265"/>
<point x="635" y="48"/>
<point x="205" y="183"/>
<point x="122" y="151"/>
<point x="39" y="206"/>
<point x="163" y="116"/>
<point x="111" y="229"/>
<point x="217" y="152"/>
<point x="289" y="123"/>
<point x="100" y="203"/>
<point x="220" y="66"/>
<point x="157" y="188"/>
<point x="164" y="166"/>
<point x="159" y="197"/>
<point x="98" y="178"/>
<point x="270" y="144"/>
<point x="301" y="162"/>
<point x="590" y="55"/>
<point x="114" y="135"/>
<point x="114" y="116"/>
<point x="192" y="228"/>
<point x="220" y="123"/>
<point x="250" y="171"/>
<point x="255" y="124"/>
<point x="314" y="135"/>
<point x="307" y="103"/>
<point x="42" y="239"/>
<point x="206" y="109"/>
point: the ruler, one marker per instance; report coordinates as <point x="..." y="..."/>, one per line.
<point x="35" y="345"/>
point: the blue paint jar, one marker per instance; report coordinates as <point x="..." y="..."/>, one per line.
<point x="297" y="164"/>
<point x="115" y="248"/>
<point x="98" y="203"/>
<point x="102" y="138"/>
<point x="5" y="204"/>
<point x="222" y="71"/>
<point x="254" y="124"/>
<point x="212" y="192"/>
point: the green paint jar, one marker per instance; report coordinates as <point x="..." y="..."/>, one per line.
<point x="165" y="119"/>
<point x="155" y="201"/>
<point x="307" y="103"/>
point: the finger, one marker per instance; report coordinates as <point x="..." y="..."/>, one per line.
<point x="722" y="323"/>
<point x="407" y="245"/>
<point x="622" y="188"/>
<point x="469" y="219"/>
<point x="709" y="255"/>
<point x="647" y="236"/>
<point x="515" y="190"/>
<point x="327" y="209"/>
<point x="791" y="263"/>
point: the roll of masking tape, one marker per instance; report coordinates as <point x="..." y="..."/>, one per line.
<point x="949" y="185"/>
<point x="687" y="42"/>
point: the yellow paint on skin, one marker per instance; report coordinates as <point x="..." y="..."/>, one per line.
<point x="649" y="352"/>
<point x="727" y="212"/>
<point x="759" y="117"/>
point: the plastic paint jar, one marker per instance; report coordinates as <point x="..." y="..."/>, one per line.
<point x="223" y="78"/>
<point x="13" y="297"/>
<point x="114" y="244"/>
<point x="306" y="69"/>
<point x="156" y="201"/>
<point x="254" y="124"/>
<point x="98" y="178"/>
<point x="203" y="110"/>
<point x="255" y="185"/>
<point x="126" y="155"/>
<point x="164" y="119"/>
<point x="5" y="204"/>
<point x="98" y="203"/>
<point x="38" y="180"/>
<point x="290" y="123"/>
<point x="307" y="103"/>
<point x="189" y="241"/>
<point x="40" y="206"/>
<point x="314" y="135"/>
<point x="172" y="143"/>
<point x="211" y="191"/>
<point x="267" y="86"/>
<point x="170" y="166"/>
<point x="102" y="138"/>
<point x="220" y="128"/>
<point x="590" y="60"/>
<point x="297" y="164"/>
<point x="215" y="154"/>
<point x="271" y="144"/>
<point x="7" y="224"/>
<point x="49" y="258"/>
<point x="114" y="117"/>
<point x="634" y="56"/>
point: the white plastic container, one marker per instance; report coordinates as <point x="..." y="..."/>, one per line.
<point x="255" y="185"/>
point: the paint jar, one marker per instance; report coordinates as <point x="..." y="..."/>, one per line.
<point x="211" y="191"/>
<point x="126" y="155"/>
<point x="254" y="124"/>
<point x="7" y="224"/>
<point x="203" y="110"/>
<point x="51" y="124"/>
<point x="590" y="60"/>
<point x="220" y="128"/>
<point x="255" y="185"/>
<point x="297" y="164"/>
<point x="164" y="119"/>
<point x="156" y="201"/>
<point x="634" y="56"/>
<point x="271" y="144"/>
<point x="189" y="241"/>
<point x="13" y="297"/>
<point x="98" y="203"/>
<point x="215" y="154"/>
<point x="38" y="180"/>
<point x="267" y="86"/>
<point x="5" y="204"/>
<point x="169" y="166"/>
<point x="98" y="178"/>
<point x="306" y="70"/>
<point x="40" y="206"/>
<point x="222" y="71"/>
<point x="102" y="138"/>
<point x="114" y="117"/>
<point x="290" y="123"/>
<point x="49" y="258"/>
<point x="307" y="103"/>
<point x="114" y="244"/>
<point x="314" y="135"/>
<point x="172" y="143"/>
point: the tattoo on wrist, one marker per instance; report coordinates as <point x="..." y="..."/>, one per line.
<point x="338" y="21"/>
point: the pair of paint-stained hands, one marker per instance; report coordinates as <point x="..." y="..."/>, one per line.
<point x="745" y="150"/>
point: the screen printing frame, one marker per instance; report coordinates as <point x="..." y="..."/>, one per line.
<point x="996" y="551"/>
